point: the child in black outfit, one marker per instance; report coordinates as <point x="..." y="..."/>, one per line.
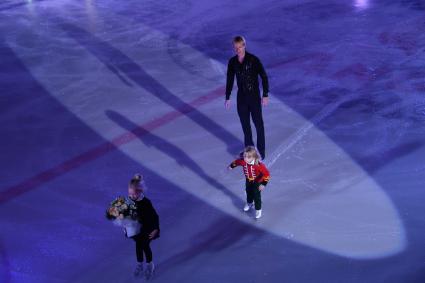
<point x="149" y="220"/>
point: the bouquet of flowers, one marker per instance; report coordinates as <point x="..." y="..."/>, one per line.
<point x="123" y="212"/>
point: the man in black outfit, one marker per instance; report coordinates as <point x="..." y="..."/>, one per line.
<point x="247" y="67"/>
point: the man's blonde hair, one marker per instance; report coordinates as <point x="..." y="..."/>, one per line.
<point x="239" y="39"/>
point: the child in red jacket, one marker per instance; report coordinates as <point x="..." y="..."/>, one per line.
<point x="257" y="177"/>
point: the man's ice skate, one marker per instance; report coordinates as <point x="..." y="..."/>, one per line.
<point x="139" y="269"/>
<point x="257" y="214"/>
<point x="247" y="206"/>
<point x="150" y="270"/>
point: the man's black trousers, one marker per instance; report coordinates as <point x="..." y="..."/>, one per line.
<point x="249" y="106"/>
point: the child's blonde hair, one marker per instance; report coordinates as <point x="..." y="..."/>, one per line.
<point x="254" y="151"/>
<point x="136" y="182"/>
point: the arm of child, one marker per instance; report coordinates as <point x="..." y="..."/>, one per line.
<point x="154" y="218"/>
<point x="265" y="176"/>
<point x="235" y="163"/>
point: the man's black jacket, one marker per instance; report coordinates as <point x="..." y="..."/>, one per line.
<point x="247" y="74"/>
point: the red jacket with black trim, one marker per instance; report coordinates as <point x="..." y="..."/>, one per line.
<point x="257" y="172"/>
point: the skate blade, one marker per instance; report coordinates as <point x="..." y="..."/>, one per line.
<point x="150" y="275"/>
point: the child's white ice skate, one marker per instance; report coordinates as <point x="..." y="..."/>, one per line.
<point x="150" y="270"/>
<point x="247" y="206"/>
<point x="138" y="271"/>
<point x="257" y="214"/>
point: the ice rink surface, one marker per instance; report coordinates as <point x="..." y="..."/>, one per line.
<point x="92" y="92"/>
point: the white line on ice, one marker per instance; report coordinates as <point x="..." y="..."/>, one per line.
<point x="301" y="132"/>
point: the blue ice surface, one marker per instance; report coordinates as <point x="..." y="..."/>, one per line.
<point x="315" y="52"/>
